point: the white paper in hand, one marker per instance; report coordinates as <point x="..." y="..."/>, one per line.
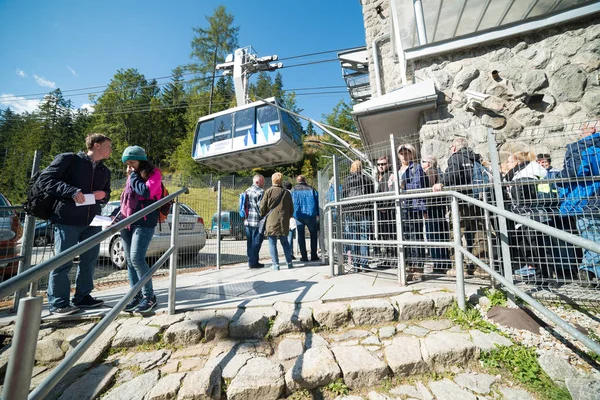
<point x="89" y="200"/>
<point x="100" y="220"/>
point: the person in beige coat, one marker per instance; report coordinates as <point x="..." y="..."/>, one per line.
<point x="277" y="207"/>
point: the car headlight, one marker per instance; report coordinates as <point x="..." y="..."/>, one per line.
<point x="6" y="234"/>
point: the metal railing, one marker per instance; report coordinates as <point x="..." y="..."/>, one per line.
<point x="22" y="357"/>
<point x="460" y="251"/>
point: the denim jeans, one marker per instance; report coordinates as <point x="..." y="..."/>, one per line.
<point x="135" y="241"/>
<point x="313" y="227"/>
<point x="252" y="246"/>
<point x="59" y="284"/>
<point x="291" y="235"/>
<point x="589" y="228"/>
<point x="438" y="230"/>
<point x="356" y="227"/>
<point x="287" y="250"/>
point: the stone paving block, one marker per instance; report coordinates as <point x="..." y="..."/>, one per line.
<point x="135" y="389"/>
<point x="49" y="350"/>
<point x="315" y="368"/>
<point x="294" y="320"/>
<point x="166" y="388"/>
<point x="443" y="349"/>
<point x="448" y="390"/>
<point x="90" y="385"/>
<point x="217" y="328"/>
<point x="289" y="348"/>
<point x="583" y="388"/>
<point x="331" y="315"/>
<point x="146" y="360"/>
<point x="232" y="365"/>
<point x="413" y="306"/>
<point x="372" y="311"/>
<point x="478" y="383"/>
<point x="204" y="384"/>
<point x="201" y="317"/>
<point x="360" y="367"/>
<point x="387" y="332"/>
<point x="191" y="364"/>
<point x="515" y="394"/>
<point x="488" y="341"/>
<point x="251" y="323"/>
<point x="164" y="320"/>
<point x="135" y="335"/>
<point x="442" y="301"/>
<point x="435" y="324"/>
<point x="258" y="379"/>
<point x="557" y="368"/>
<point x="404" y="356"/>
<point x="415" y="330"/>
<point x="184" y="333"/>
<point x="351" y="334"/>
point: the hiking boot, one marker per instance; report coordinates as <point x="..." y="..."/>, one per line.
<point x="68" y="310"/>
<point x="146" y="305"/>
<point x="89" y="302"/>
<point x="133" y="304"/>
<point x="290" y="266"/>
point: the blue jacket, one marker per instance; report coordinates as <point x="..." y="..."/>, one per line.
<point x="414" y="178"/>
<point x="306" y="201"/>
<point x="578" y="194"/>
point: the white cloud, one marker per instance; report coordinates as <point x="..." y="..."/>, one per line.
<point x="44" y="82"/>
<point x="72" y="71"/>
<point x="21" y="73"/>
<point x="88" y="106"/>
<point x="17" y="103"/>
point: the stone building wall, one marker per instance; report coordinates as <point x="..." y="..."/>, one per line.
<point x="561" y="64"/>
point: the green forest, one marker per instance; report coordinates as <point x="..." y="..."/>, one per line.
<point x="160" y="117"/>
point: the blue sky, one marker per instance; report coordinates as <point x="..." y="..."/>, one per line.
<point x="71" y="44"/>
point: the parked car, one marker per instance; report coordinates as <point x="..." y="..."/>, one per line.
<point x="10" y="232"/>
<point x="44" y="233"/>
<point x="192" y="235"/>
<point x="231" y="225"/>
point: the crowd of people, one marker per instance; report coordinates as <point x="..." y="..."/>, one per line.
<point x="566" y="199"/>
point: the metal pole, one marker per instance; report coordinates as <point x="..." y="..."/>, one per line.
<point x="27" y="244"/>
<point x="399" y="232"/>
<point x="321" y="222"/>
<point x="218" y="225"/>
<point x="488" y="235"/>
<point x="502" y="226"/>
<point x="458" y="256"/>
<point x="22" y="356"/>
<point x="420" y="20"/>
<point x="339" y="233"/>
<point x="330" y="241"/>
<point x="173" y="258"/>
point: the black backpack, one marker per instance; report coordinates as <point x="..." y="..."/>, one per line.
<point x="39" y="203"/>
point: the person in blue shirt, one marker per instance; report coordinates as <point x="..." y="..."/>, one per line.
<point x="579" y="194"/>
<point x="306" y="213"/>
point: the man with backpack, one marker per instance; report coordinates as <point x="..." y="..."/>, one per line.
<point x="462" y="170"/>
<point x="306" y="212"/>
<point x="75" y="180"/>
<point x="254" y="194"/>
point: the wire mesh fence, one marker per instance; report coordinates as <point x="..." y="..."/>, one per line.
<point x="548" y="174"/>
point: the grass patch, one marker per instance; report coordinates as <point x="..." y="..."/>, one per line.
<point x="469" y="319"/>
<point x="497" y="297"/>
<point x="269" y="335"/>
<point x="337" y="388"/>
<point x="303" y="394"/>
<point x="521" y="363"/>
<point x="590" y="353"/>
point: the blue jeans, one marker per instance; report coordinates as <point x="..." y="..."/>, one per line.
<point x="291" y="235"/>
<point x="253" y="246"/>
<point x="59" y="284"/>
<point x="438" y="230"/>
<point x="313" y="228"/>
<point x="287" y="250"/>
<point x="357" y="228"/>
<point x="589" y="228"/>
<point x="135" y="241"/>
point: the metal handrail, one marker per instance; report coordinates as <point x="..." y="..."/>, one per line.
<point x="561" y="235"/>
<point x="20" y="365"/>
<point x="33" y="274"/>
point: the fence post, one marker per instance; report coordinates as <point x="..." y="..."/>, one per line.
<point x="502" y="226"/>
<point x="219" y="225"/>
<point x="458" y="256"/>
<point x="339" y="233"/>
<point x="22" y="356"/>
<point x="173" y="258"/>
<point x="399" y="231"/>
<point x="321" y="218"/>
<point x="27" y="244"/>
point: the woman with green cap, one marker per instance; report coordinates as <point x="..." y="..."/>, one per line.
<point x="143" y="187"/>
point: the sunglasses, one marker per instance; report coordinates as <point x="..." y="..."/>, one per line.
<point x="381" y="164"/>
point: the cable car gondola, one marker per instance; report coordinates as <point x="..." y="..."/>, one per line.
<point x="249" y="136"/>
